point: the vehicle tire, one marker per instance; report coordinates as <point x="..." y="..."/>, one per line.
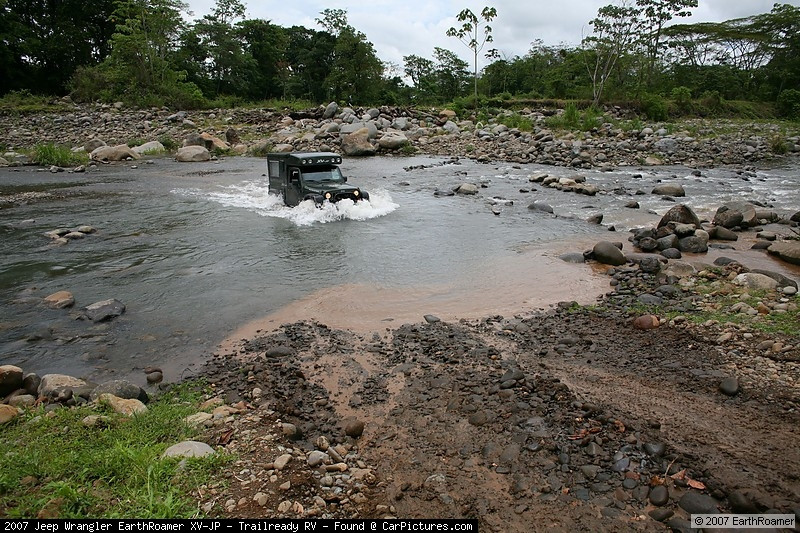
<point x="364" y="195"/>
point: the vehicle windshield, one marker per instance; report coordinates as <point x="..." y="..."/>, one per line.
<point x="323" y="174"/>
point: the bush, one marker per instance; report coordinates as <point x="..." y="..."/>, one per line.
<point x="654" y="106"/>
<point x="682" y="96"/>
<point x="711" y="101"/>
<point x="55" y="155"/>
<point x="789" y="103"/>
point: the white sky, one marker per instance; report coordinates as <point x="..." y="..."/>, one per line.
<point x="400" y="28"/>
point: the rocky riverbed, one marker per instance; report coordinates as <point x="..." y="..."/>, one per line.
<point x="599" y="418"/>
<point x="677" y="393"/>
<point x="615" y="141"/>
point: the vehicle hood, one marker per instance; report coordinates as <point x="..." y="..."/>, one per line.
<point x="322" y="188"/>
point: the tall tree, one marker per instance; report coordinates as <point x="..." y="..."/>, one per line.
<point x="227" y="63"/>
<point x="654" y="15"/>
<point x="614" y="32"/>
<point x="44" y="41"/>
<point x="356" y="72"/>
<point x="451" y="73"/>
<point x="470" y="34"/>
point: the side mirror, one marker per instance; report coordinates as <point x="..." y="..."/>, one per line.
<point x="344" y="179"/>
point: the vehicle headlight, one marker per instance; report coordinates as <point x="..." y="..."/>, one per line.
<point x="327" y="196"/>
<point x="355" y="193"/>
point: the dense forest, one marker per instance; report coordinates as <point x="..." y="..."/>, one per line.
<point x="144" y="52"/>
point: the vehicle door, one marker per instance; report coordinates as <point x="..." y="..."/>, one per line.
<point x="293" y="191"/>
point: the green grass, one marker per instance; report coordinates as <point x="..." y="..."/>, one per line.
<point x="50" y="154"/>
<point x="515" y="120"/>
<point x="53" y="461"/>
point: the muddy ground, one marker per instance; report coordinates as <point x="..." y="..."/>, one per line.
<point x="565" y="420"/>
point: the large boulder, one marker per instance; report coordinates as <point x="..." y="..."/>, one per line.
<point x="192" y="154"/>
<point x="121" y="389"/>
<point x="392" y="140"/>
<point x="752" y="280"/>
<point x="788" y="251"/>
<point x="696" y="244"/>
<point x="152" y="147"/>
<point x="357" y="144"/>
<point x="214" y="143"/>
<point x="51" y="384"/>
<point x="330" y="110"/>
<point x="733" y="214"/>
<point x="669" y="189"/>
<point x="608" y="254"/>
<point x="120" y="152"/>
<point x="680" y="214"/>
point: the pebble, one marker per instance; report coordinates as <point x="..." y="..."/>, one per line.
<point x="659" y="495"/>
<point x="729" y="386"/>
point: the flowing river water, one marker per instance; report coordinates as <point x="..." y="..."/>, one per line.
<point x="202" y="255"/>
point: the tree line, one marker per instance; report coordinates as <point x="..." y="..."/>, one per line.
<point x="146" y="53"/>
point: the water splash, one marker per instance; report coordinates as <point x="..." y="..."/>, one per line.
<point x="255" y="196"/>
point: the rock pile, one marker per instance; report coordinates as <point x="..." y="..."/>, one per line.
<point x="383" y="130"/>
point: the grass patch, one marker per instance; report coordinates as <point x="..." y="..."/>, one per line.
<point x="515" y="120"/>
<point x="52" y="461"/>
<point x="60" y="156"/>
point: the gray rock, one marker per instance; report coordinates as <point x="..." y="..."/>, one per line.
<point x="755" y="281"/>
<point x="669" y="189"/>
<point x="723" y="234"/>
<point x="694" y="502"/>
<point x="105" y="310"/>
<point x="316" y="458"/>
<point x="467" y="189"/>
<point x="696" y="244"/>
<point x="189" y="448"/>
<point x="431" y="319"/>
<point x="539" y="206"/>
<point x="192" y="154"/>
<point x="681" y="214"/>
<point x="607" y="253"/>
<point x="121" y="389"/>
<point x="575" y="258"/>
<point x="788" y="251"/>
<point x="671" y="253"/>
<point x="330" y="110"/>
<point x="357" y="143"/>
<point x="734" y="214"/>
<point x="659" y="495"/>
<point x="729" y="386"/>
<point x="51" y="383"/>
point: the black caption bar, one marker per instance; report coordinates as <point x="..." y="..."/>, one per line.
<point x="256" y="525"/>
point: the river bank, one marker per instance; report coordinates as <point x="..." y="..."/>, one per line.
<point x="609" y="139"/>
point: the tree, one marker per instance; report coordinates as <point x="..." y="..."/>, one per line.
<point x="141" y="67"/>
<point x="227" y="64"/>
<point x="614" y="31"/>
<point x="422" y="72"/>
<point x="654" y="14"/>
<point x="266" y="43"/>
<point x="44" y="42"/>
<point x="356" y="72"/>
<point x="469" y="33"/>
<point x="451" y="74"/>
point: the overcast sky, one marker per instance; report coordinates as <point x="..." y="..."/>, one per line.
<point x="399" y="28"/>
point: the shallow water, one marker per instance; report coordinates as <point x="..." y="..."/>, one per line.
<point x="196" y="251"/>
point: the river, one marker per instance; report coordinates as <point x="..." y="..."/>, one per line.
<point x="201" y="253"/>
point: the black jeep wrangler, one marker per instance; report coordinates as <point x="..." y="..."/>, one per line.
<point x="310" y="176"/>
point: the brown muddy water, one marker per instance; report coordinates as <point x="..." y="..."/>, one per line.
<point x="201" y="253"/>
